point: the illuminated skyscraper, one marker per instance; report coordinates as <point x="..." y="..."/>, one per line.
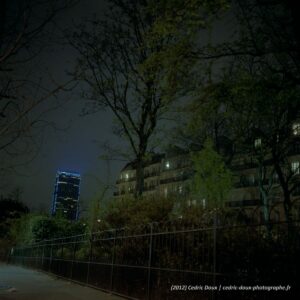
<point x="66" y="195"/>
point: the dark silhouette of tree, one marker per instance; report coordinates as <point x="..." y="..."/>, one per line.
<point x="23" y="37"/>
<point x="121" y="64"/>
<point x="10" y="210"/>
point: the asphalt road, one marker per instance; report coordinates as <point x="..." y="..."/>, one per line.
<point x="17" y="283"/>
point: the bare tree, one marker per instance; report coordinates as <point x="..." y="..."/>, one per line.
<point x="113" y="63"/>
<point x="23" y="36"/>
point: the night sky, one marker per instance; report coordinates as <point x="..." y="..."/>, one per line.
<point x="74" y="146"/>
<point x="74" y="142"/>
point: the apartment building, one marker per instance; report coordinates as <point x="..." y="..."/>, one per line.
<point x="167" y="175"/>
<point x="164" y="175"/>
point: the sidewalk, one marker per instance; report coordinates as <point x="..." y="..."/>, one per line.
<point x="17" y="283"/>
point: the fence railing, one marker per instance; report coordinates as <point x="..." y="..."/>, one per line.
<point x="174" y="260"/>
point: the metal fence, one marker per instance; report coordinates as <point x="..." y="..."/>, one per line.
<point x="174" y="260"/>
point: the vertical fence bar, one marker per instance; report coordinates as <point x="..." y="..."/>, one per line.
<point x="73" y="257"/>
<point x="113" y="262"/>
<point x="43" y="254"/>
<point x="37" y="256"/>
<point x="214" y="253"/>
<point x="149" y="261"/>
<point x="89" y="261"/>
<point x="51" y="254"/>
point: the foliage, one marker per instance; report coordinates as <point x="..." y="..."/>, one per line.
<point x="96" y="206"/>
<point x="184" y="24"/>
<point x="212" y="180"/>
<point x="130" y="212"/>
<point x="34" y="228"/>
<point x="11" y="211"/>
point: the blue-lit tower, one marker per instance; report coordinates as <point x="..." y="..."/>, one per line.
<point x="66" y="195"/>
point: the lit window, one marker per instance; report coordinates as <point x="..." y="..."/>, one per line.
<point x="296" y="129"/>
<point x="180" y="189"/>
<point x="203" y="202"/>
<point x="257" y="143"/>
<point x="295" y="167"/>
<point x="168" y="165"/>
<point x="166" y="192"/>
<point x="126" y="175"/>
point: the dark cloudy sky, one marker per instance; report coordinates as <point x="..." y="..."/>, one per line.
<point x="75" y="145"/>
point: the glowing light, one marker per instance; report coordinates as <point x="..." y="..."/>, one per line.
<point x="296" y="129"/>
<point x="257" y="143"/>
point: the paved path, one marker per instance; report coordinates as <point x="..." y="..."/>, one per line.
<point x="17" y="283"/>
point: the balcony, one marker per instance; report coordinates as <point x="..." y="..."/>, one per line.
<point x="175" y="179"/>
<point x="150" y="188"/>
<point x="130" y="179"/>
<point x="243" y="203"/>
<point x="151" y="174"/>
<point x="250" y="183"/>
<point x="117" y="193"/>
<point x="244" y="166"/>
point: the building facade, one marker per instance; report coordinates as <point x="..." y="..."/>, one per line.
<point x="168" y="175"/>
<point x="66" y="195"/>
<point x="163" y="175"/>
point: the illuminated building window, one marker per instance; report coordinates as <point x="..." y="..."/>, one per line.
<point x="203" y="203"/>
<point x="180" y="189"/>
<point x="166" y="192"/>
<point x="295" y="167"/>
<point x="296" y="129"/>
<point x="257" y="143"/>
<point x="127" y="176"/>
<point x="167" y="165"/>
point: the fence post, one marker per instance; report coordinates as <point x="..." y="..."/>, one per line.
<point x="214" y="253"/>
<point x="89" y="262"/>
<point x="150" y="261"/>
<point x="51" y="254"/>
<point x="43" y="254"/>
<point x="73" y="257"/>
<point x="38" y="257"/>
<point x="113" y="261"/>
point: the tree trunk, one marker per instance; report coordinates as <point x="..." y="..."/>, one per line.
<point x="286" y="192"/>
<point x="264" y="195"/>
<point x="139" y="178"/>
